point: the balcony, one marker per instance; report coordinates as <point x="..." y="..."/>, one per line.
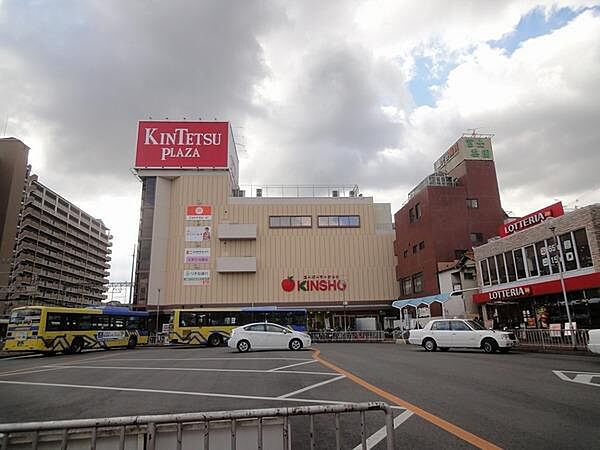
<point x="237" y="231"/>
<point x="236" y="264"/>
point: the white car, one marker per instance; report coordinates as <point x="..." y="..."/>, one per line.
<point x="264" y="335"/>
<point x="594" y="341"/>
<point x="458" y="333"/>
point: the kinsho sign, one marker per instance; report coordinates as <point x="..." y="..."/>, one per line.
<point x="532" y="219"/>
<point x="182" y="144"/>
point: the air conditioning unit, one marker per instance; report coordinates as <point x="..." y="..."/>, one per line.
<point x="335" y="193"/>
<point x="259" y="192"/>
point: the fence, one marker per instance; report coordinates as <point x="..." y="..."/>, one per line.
<point x="347" y="336"/>
<point x="552" y="339"/>
<point x="143" y="432"/>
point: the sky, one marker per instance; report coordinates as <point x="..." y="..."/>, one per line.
<point x="336" y="92"/>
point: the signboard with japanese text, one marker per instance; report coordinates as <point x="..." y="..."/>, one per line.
<point x="196" y="255"/>
<point x="197" y="234"/>
<point x="198" y="212"/>
<point x="196" y="277"/>
<point x="467" y="147"/>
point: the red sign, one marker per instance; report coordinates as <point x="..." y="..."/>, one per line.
<point x="198" y="212"/>
<point x="532" y="219"/>
<point x="576" y="283"/>
<point x="182" y="144"/>
<point x="316" y="283"/>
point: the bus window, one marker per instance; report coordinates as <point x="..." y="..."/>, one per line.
<point x="187" y="319"/>
<point x="79" y="322"/>
<point x="55" y="322"/>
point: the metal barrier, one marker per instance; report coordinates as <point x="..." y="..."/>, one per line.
<point x="552" y="339"/>
<point x="142" y="432"/>
<point x="347" y="336"/>
<point x="158" y="339"/>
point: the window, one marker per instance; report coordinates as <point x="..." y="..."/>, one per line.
<point x="519" y="263"/>
<point x="421" y="245"/>
<point x="553" y="254"/>
<point x="339" y="221"/>
<point x="257" y="327"/>
<point x="472" y="203"/>
<point x="476" y="238"/>
<point x="440" y="325"/>
<point x="411" y="215"/>
<point x="485" y="275"/>
<point x="407" y="286"/>
<point x="290" y="222"/>
<point x="568" y="251"/>
<point x="187" y="319"/>
<point x="531" y="262"/>
<point x="493" y="272"/>
<point x="418" y="211"/>
<point x="414" y="249"/>
<point x="542" y="256"/>
<point x="274" y="329"/>
<point x="501" y="269"/>
<point x="405" y="253"/>
<point x="583" y="249"/>
<point x="55" y="322"/>
<point x="418" y="282"/>
<point x="457" y="325"/>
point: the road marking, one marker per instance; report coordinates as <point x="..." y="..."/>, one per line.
<point x="438" y="421"/>
<point x="381" y="434"/>
<point x="25" y="371"/>
<point x="212" y="359"/>
<point x="20" y="357"/>
<point x="162" y="391"/>
<point x="293" y="365"/>
<point x="581" y="377"/>
<point x="313" y="386"/>
<point x="190" y="369"/>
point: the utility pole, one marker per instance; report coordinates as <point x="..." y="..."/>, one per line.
<point x="132" y="270"/>
<point x="157" y="311"/>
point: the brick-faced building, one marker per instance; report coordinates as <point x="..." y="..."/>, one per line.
<point x="519" y="274"/>
<point x="450" y="211"/>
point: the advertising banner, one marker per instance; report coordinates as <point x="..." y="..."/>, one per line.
<point x="196" y="277"/>
<point x="197" y="234"/>
<point x="198" y="212"/>
<point x="467" y="147"/>
<point x="532" y="219"/>
<point x="196" y="255"/>
<point x="171" y="144"/>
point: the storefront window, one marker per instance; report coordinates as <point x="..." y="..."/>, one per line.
<point x="568" y="251"/>
<point x="501" y="268"/>
<point x="519" y="263"/>
<point x="583" y="249"/>
<point x="510" y="266"/>
<point x="542" y="255"/>
<point x="553" y="254"/>
<point x="485" y="276"/>
<point x="493" y="272"/>
<point x="532" y="268"/>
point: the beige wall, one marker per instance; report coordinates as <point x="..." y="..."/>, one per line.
<point x="362" y="256"/>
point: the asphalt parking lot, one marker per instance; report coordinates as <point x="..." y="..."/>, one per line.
<point x="441" y="400"/>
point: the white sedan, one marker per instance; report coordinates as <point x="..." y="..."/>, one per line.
<point x="264" y="335"/>
<point x="594" y="342"/>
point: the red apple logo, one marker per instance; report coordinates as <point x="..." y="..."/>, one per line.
<point x="288" y="284"/>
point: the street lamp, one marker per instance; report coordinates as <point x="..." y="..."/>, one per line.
<point x="552" y="228"/>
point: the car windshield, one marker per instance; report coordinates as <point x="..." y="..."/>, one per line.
<point x="475" y="325"/>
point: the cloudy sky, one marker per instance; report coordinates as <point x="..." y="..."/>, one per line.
<point x="337" y="92"/>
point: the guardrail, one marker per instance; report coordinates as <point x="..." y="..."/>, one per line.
<point x="552" y="339"/>
<point x="145" y="430"/>
<point x="347" y="336"/>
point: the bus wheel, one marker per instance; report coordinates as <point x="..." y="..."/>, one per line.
<point x="76" y="345"/>
<point x="214" y="340"/>
<point x="132" y="342"/>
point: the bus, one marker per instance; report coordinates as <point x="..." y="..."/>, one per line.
<point x="212" y="326"/>
<point x="48" y="329"/>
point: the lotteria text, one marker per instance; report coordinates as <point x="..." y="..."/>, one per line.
<point x="527" y="222"/>
<point x="509" y="293"/>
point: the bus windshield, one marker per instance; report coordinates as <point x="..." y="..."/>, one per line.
<point x="24" y="316"/>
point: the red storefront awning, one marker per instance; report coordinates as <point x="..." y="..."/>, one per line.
<point x="532" y="290"/>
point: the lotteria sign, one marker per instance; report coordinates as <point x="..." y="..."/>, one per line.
<point x="182" y="144"/>
<point x="532" y="219"/>
<point x="312" y="283"/>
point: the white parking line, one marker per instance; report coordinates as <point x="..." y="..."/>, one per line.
<point x="212" y="359"/>
<point x="380" y="434"/>
<point x="190" y="369"/>
<point x="308" y="388"/>
<point x="293" y="365"/>
<point x="26" y="371"/>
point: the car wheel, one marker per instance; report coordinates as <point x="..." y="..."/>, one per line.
<point x="215" y="340"/>
<point x="243" y="346"/>
<point x="429" y="345"/>
<point x="295" y="344"/>
<point x="132" y="342"/>
<point x="444" y="349"/>
<point x="76" y="346"/>
<point x="489" y="346"/>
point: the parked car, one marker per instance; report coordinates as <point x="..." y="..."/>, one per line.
<point x="458" y="333"/>
<point x="594" y="341"/>
<point x="265" y="335"/>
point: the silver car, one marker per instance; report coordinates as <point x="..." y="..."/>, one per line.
<point x="265" y="335"/>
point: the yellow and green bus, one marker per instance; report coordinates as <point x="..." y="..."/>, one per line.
<point x="212" y="326"/>
<point x="49" y="330"/>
